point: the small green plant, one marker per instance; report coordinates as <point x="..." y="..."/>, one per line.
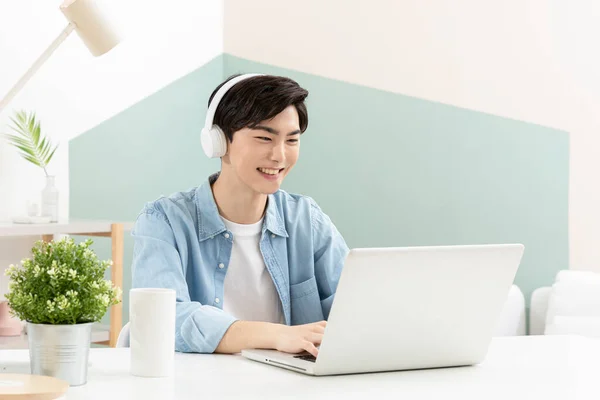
<point x="63" y="283"/>
<point x="34" y="147"/>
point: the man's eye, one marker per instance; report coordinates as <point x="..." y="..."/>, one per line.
<point x="264" y="138"/>
<point x="293" y="140"/>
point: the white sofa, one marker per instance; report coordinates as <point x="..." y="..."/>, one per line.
<point x="512" y="319"/>
<point x="538" y="309"/>
<point x="570" y="306"/>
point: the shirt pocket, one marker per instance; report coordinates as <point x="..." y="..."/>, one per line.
<point x="305" y="302"/>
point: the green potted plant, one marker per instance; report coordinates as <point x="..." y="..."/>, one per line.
<point x="60" y="292"/>
<point x="38" y="150"/>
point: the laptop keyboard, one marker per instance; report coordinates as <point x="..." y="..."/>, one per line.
<point x="306" y="357"/>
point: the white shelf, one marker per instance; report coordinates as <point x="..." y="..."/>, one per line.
<point x="73" y="227"/>
<point x="100" y="333"/>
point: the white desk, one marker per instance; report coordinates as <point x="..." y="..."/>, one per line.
<point x="526" y="367"/>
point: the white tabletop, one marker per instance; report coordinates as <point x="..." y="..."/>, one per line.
<point x="526" y="367"/>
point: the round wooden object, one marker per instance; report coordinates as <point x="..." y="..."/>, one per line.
<point x="31" y="387"/>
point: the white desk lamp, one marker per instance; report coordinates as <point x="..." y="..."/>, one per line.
<point x="86" y="18"/>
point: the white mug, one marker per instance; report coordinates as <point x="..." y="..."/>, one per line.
<point x="152" y="331"/>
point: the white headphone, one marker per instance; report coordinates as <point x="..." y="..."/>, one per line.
<point x="212" y="137"/>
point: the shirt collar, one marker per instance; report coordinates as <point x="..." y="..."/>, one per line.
<point x="210" y="222"/>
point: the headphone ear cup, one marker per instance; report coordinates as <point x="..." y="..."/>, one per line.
<point x="220" y="147"/>
<point x="213" y="142"/>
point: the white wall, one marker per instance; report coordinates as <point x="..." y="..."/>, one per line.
<point x="74" y="91"/>
<point x="531" y="60"/>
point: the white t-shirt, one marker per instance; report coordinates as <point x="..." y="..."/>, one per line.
<point x="249" y="291"/>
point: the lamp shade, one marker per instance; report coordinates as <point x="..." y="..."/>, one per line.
<point x="91" y="25"/>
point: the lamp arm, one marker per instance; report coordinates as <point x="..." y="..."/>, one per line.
<point x="36" y="65"/>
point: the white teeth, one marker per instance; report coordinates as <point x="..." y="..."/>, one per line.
<point x="269" y="171"/>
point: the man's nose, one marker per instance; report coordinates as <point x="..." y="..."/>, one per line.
<point x="278" y="152"/>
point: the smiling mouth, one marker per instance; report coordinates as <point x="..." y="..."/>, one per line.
<point x="269" y="171"/>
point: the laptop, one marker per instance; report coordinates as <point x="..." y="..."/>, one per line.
<point x="410" y="308"/>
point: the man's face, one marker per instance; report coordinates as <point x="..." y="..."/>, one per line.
<point x="262" y="156"/>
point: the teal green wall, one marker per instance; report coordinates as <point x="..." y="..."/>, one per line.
<point x="390" y="170"/>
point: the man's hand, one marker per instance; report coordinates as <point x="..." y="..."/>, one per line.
<point x="299" y="338"/>
<point x="264" y="335"/>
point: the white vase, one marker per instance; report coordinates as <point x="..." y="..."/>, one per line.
<point x="50" y="200"/>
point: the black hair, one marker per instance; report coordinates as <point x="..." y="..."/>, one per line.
<point x="256" y="99"/>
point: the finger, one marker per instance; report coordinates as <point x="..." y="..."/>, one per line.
<point x="318" y="326"/>
<point x="309" y="347"/>
<point x="318" y="329"/>
<point x="315" y="338"/>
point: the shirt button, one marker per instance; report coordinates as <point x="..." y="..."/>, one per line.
<point x="217" y="300"/>
<point x="272" y="235"/>
<point x="226" y="235"/>
<point x="221" y="265"/>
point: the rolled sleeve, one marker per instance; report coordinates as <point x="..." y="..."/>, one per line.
<point x="157" y="263"/>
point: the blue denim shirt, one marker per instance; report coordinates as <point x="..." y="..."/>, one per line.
<point x="180" y="240"/>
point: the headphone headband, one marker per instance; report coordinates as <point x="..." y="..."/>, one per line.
<point x="214" y="143"/>
<point x="212" y="108"/>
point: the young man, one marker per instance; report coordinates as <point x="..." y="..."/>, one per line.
<point x="252" y="265"/>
